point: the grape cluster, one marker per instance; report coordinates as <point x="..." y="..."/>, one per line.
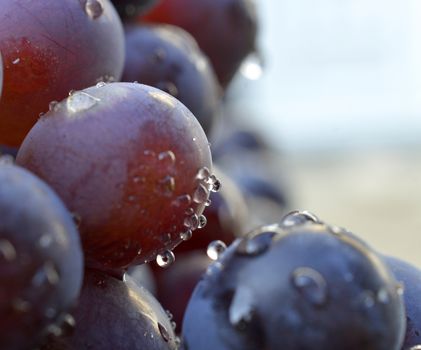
<point x="106" y="174"/>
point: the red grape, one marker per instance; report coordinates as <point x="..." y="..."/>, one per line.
<point x="50" y="47"/>
<point x="167" y="57"/>
<point x="132" y="162"/>
<point x="224" y="29"/>
<point x="112" y="315"/>
<point x="40" y="259"/>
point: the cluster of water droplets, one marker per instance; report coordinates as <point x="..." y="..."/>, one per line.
<point x="205" y="177"/>
<point x="369" y="298"/>
<point x="171" y="319"/>
<point x="164" y="160"/>
<point x="206" y="183"/>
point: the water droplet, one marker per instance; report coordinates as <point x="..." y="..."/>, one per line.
<point x="241" y="310"/>
<point x="7" y="159"/>
<point x="45" y="240"/>
<point x="54" y="330"/>
<point x="167" y="185"/>
<point x="53" y="106"/>
<point x="203" y="174"/>
<point x="138" y="179"/>
<point x="169" y="87"/>
<point x="252" y="67"/>
<point x="80" y="101"/>
<point x="67" y="323"/>
<point x="164" y="333"/>
<point x="214" y="268"/>
<point x="255" y="245"/>
<point x="165" y="259"/>
<point x="349" y="277"/>
<point x="77" y="219"/>
<point x="173" y="325"/>
<point x="298" y="218"/>
<point x="158" y="55"/>
<point x="186" y="235"/>
<point x="163" y="98"/>
<point x="167" y="157"/>
<point x="208" y="203"/>
<point x="16" y="61"/>
<point x="191" y="222"/>
<point x="215" y="249"/>
<point x="100" y="282"/>
<point x="50" y="313"/>
<point x="94" y="8"/>
<point x="7" y="250"/>
<point x="202" y="221"/>
<point x="368" y="298"/>
<point x="166" y="238"/>
<point x="383" y="296"/>
<point x="201" y="194"/>
<point x="182" y="201"/>
<point x="106" y="78"/>
<point x="20" y="305"/>
<point x="216" y="185"/>
<point x="51" y="273"/>
<point x="311" y="284"/>
<point x="101" y="84"/>
<point x="336" y="230"/>
<point x="132" y="198"/>
<point x="169" y="314"/>
<point x="399" y="288"/>
<point x="149" y="154"/>
<point x="39" y="278"/>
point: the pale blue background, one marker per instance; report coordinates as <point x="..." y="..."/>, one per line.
<point x="337" y="73"/>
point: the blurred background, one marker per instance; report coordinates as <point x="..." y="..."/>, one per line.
<point x="336" y="92"/>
